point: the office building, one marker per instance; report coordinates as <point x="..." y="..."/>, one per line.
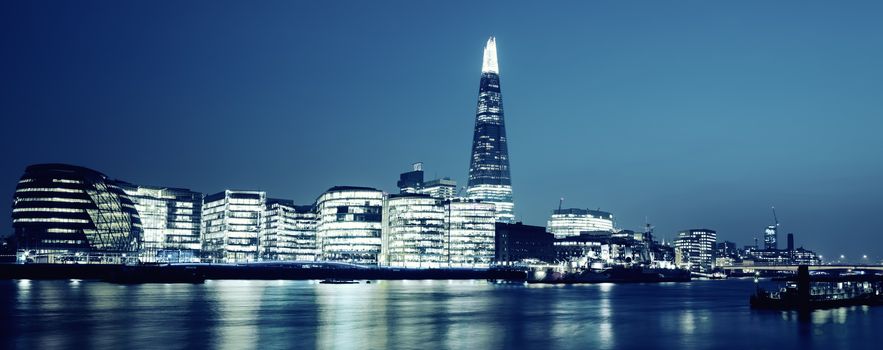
<point x="289" y="231"/>
<point x="171" y="221"/>
<point x="694" y="249"/>
<point x="413" y="231"/>
<point x="411" y="181"/>
<point x="231" y="225"/>
<point x="443" y="188"/>
<point x="489" y="178"/>
<point x="349" y="224"/>
<point x="518" y="242"/>
<point x="60" y="209"/>
<point x="469" y="225"/>
<point x="770" y="238"/>
<point x="571" y="222"/>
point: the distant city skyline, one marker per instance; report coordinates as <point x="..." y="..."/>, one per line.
<point x="696" y="115"/>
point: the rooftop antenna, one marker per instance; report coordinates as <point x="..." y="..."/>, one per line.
<point x="560" y="203"/>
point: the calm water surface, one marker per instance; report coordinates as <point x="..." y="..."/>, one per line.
<point x="414" y="314"/>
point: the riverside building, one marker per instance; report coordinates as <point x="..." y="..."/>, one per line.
<point x="349" y="224"/>
<point x="61" y="212"/>
<point x="694" y="249"/>
<point x="289" y="231"/>
<point x="171" y="221"/>
<point x="469" y="225"/>
<point x="571" y="222"/>
<point x="413" y="231"/>
<point x="231" y="225"/>
<point x="489" y="178"/>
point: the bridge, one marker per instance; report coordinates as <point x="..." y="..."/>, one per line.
<point x="795" y="267"/>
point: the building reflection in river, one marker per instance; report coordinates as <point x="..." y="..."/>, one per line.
<point x="411" y="314"/>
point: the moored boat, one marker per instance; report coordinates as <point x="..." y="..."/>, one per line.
<point x="335" y="281"/>
<point x="820" y="292"/>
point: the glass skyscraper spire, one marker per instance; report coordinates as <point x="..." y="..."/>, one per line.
<point x="489" y="167"/>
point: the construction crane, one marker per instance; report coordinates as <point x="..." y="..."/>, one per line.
<point x="775" y="217"/>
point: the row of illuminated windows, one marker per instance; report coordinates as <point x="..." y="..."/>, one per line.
<point x="62" y="230"/>
<point x="49" y="210"/>
<point x="67" y="181"/>
<point x="49" y="189"/>
<point x="61" y="241"/>
<point x="62" y="220"/>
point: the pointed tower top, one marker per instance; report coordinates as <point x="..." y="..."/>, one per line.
<point x="489" y="64"/>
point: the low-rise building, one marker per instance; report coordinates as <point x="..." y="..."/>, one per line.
<point x="519" y="242"/>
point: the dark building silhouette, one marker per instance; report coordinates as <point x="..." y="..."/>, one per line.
<point x="517" y="242"/>
<point x="489" y="178"/>
<point x="411" y="181"/>
<point x="790" y="242"/>
<point x="60" y="208"/>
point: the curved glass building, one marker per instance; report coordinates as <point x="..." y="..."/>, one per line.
<point x="489" y="178"/>
<point x="60" y="209"/>
<point x="349" y="224"/>
<point x="470" y="227"/>
<point x="571" y="222"/>
<point x="413" y="231"/>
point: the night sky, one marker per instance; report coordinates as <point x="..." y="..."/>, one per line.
<point x="685" y="113"/>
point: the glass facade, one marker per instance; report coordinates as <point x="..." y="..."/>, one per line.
<point x="770" y="238"/>
<point x="489" y="178"/>
<point x="571" y="222"/>
<point x="413" y="231"/>
<point x="349" y="226"/>
<point x="231" y="225"/>
<point x="289" y="232"/>
<point x="61" y="209"/>
<point x="171" y="220"/>
<point x="694" y="249"/>
<point x="470" y="229"/>
<point x="443" y="188"/>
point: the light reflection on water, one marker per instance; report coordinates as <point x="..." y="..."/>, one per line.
<point x="412" y="314"/>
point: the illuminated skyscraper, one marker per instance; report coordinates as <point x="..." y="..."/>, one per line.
<point x="770" y="238"/>
<point x="694" y="249"/>
<point x="489" y="167"/>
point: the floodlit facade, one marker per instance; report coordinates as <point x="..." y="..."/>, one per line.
<point x="61" y="209"/>
<point x="571" y="222"/>
<point x="289" y="232"/>
<point x="171" y="220"/>
<point x="771" y="238"/>
<point x="694" y="249"/>
<point x="489" y="178"/>
<point x="231" y="225"/>
<point x="413" y="231"/>
<point x="470" y="226"/>
<point x="349" y="224"/>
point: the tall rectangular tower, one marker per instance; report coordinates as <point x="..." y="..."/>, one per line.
<point x="489" y="178"/>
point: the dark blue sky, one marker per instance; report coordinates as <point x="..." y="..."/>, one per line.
<point x="689" y="113"/>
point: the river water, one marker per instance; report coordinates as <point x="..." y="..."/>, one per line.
<point x="415" y="315"/>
